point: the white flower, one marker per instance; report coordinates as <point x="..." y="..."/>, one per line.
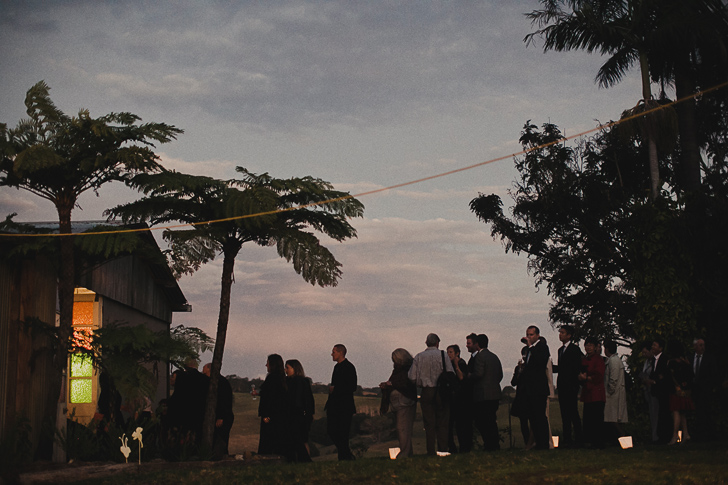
<point x="137" y="435"/>
<point x="125" y="450"/>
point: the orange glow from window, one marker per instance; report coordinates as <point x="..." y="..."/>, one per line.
<point x="83" y="319"/>
<point x="83" y="313"/>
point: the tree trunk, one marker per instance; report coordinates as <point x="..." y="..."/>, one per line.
<point x="689" y="169"/>
<point x="649" y="123"/>
<point x="230" y="251"/>
<point x="66" y="284"/>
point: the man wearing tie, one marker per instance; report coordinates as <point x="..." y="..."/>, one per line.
<point x="567" y="382"/>
<point x="534" y="387"/>
<point x="651" y="401"/>
<point x="704" y="369"/>
<point x="661" y="383"/>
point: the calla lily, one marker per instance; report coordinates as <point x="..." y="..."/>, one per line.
<point x="125" y="450"/>
<point x="137" y="435"/>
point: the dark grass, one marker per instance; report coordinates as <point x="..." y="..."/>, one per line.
<point x="689" y="463"/>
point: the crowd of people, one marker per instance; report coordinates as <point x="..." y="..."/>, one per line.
<point x="457" y="397"/>
<point x="185" y="409"/>
<point x="286" y="407"/>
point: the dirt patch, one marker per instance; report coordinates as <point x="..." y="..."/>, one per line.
<point x="241" y="443"/>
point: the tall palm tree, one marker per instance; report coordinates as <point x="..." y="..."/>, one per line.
<point x="258" y="209"/>
<point x="58" y="158"/>
<point x="692" y="55"/>
<point x="620" y="29"/>
<point x="668" y="39"/>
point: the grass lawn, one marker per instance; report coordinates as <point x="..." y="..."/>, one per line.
<point x="661" y="465"/>
<point x="683" y="463"/>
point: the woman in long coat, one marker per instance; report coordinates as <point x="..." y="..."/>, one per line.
<point x="615" y="409"/>
<point x="401" y="394"/>
<point x="273" y="410"/>
<point x="301" y="408"/>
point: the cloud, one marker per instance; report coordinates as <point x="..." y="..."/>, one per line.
<point x="222" y="169"/>
<point x="18" y="202"/>
<point x="164" y="89"/>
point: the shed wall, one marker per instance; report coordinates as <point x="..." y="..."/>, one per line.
<point x="27" y="289"/>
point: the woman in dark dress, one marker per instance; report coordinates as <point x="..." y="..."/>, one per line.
<point x="461" y="415"/>
<point x="401" y="394"/>
<point x="273" y="410"/>
<point x="301" y="409"/>
<point x="517" y="407"/>
<point x="681" y="372"/>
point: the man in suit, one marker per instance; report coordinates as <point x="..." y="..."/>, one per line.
<point x="653" y="405"/>
<point x="224" y="416"/>
<point x="660" y="385"/>
<point x="340" y="407"/>
<point x="485" y="376"/>
<point x="534" y="387"/>
<point x="705" y="369"/>
<point x="187" y="405"/>
<point x="567" y="382"/>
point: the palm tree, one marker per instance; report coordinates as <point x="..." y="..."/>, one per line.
<point x="224" y="215"/>
<point x="668" y="39"/>
<point x="58" y="157"/>
<point x="618" y="28"/>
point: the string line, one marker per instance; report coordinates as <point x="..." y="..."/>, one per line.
<point x="391" y="187"/>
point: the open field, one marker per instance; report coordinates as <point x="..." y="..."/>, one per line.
<point x="244" y="435"/>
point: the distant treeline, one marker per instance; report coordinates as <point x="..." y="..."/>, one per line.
<point x="245" y="385"/>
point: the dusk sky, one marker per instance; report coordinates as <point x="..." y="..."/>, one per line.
<point x="364" y="95"/>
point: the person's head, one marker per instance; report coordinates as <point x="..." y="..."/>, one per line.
<point x="532" y="334"/>
<point x="482" y="341"/>
<point x="192" y="362"/>
<point x="401" y="358"/>
<point x="432" y="340"/>
<point x="610" y="347"/>
<point x="699" y="346"/>
<point x="566" y="333"/>
<point x="338" y="353"/>
<point x="471" y="342"/>
<point x="207" y="369"/>
<point x="658" y="345"/>
<point x="647" y="348"/>
<point x="590" y="345"/>
<point x="294" y="368"/>
<point x="453" y="351"/>
<point x="274" y="364"/>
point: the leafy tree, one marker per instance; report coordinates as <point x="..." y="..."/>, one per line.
<point x="224" y="215"/>
<point x="569" y="218"/>
<point x="58" y="157"/>
<point x="681" y="43"/>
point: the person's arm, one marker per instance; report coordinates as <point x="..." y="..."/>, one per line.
<point x="612" y="376"/>
<point x="412" y="373"/>
<point x="458" y="370"/>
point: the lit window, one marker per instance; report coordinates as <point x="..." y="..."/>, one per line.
<point x="80" y="382"/>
